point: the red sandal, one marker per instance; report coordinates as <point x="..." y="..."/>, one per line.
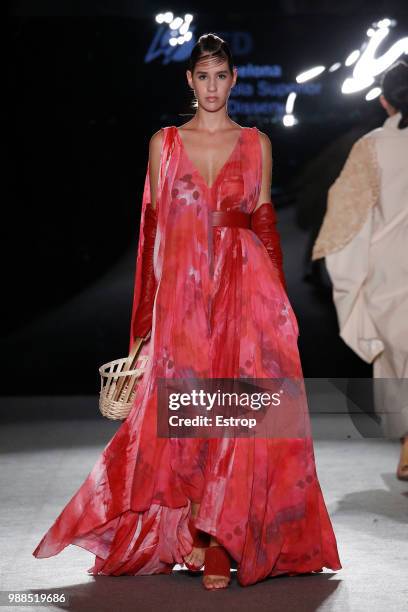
<point x="217" y="563"/>
<point x="201" y="539"/>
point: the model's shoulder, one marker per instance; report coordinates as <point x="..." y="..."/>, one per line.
<point x="264" y="138"/>
<point x="248" y="128"/>
<point x="372" y="134"/>
<point x="365" y="142"/>
<point x="156" y="140"/>
<point x="265" y="142"/>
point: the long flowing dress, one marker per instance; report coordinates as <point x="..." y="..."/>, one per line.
<point x="364" y="240"/>
<point x="220" y="311"/>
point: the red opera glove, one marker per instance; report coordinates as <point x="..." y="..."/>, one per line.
<point x="263" y="223"/>
<point x="142" y="321"/>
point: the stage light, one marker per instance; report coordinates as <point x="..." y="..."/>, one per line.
<point x="290" y="102"/>
<point x="373" y="93"/>
<point x="184" y="28"/>
<point x="352" y="58"/>
<point x="172" y="32"/>
<point x="176" y="23"/>
<point x="335" y="67"/>
<point x="289" y="120"/>
<point x="351" y="85"/>
<point x="179" y="27"/>
<point x="310" y="74"/>
<point x="368" y="66"/>
<point x="384" y="23"/>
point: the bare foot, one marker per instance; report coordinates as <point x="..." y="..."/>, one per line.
<point x="196" y="556"/>
<point x="214" y="581"/>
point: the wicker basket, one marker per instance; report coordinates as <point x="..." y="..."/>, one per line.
<point x="119" y="383"/>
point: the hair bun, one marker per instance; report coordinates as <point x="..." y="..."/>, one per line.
<point x="394" y="84"/>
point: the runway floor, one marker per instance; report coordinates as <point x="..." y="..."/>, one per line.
<point x="42" y="465"/>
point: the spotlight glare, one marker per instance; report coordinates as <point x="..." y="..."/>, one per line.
<point x="310" y="74"/>
<point x="168" y="17"/>
<point x="176" y="23"/>
<point x="173" y="41"/>
<point x="288" y="120"/>
<point x="370" y="32"/>
<point x="373" y="93"/>
<point x="180" y="40"/>
<point x="352" y="58"/>
<point x="184" y="28"/>
<point x="372" y="65"/>
<point x="160" y="18"/>
<point x="352" y="85"/>
<point x="290" y="102"/>
<point x="188" y="18"/>
<point x="369" y="66"/>
<point x="384" y="23"/>
<point x="187" y="36"/>
<point x="334" y="67"/>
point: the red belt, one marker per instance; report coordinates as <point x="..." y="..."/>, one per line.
<point x="231" y="218"/>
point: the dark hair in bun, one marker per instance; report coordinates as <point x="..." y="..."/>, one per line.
<point x="207" y="46"/>
<point x="394" y="84"/>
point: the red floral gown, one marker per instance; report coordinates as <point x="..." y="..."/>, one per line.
<point x="219" y="311"/>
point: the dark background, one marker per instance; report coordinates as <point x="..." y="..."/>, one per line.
<point x="83" y="105"/>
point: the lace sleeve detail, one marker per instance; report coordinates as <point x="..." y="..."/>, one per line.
<point x="350" y="198"/>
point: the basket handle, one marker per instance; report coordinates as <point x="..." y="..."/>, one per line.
<point x="130" y="361"/>
<point x="134" y="351"/>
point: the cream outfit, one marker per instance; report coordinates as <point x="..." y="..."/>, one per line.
<point x="364" y="238"/>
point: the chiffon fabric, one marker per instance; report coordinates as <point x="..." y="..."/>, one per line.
<point x="219" y="311"/>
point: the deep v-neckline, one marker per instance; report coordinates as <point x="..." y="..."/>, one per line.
<point x="219" y="173"/>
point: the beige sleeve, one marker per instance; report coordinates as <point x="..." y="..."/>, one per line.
<point x="348" y="269"/>
<point x="350" y="198"/>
